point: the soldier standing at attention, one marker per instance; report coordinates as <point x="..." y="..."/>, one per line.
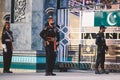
<point x="101" y="49"/>
<point x="50" y="35"/>
<point x="7" y="39"/>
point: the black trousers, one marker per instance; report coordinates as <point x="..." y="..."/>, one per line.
<point x="50" y="57"/>
<point x="100" y="59"/>
<point x="7" y="57"/>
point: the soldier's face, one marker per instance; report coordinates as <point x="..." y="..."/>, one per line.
<point x="103" y="29"/>
<point x="7" y="26"/>
<point x="51" y="21"/>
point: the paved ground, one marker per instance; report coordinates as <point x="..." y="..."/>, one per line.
<point x="71" y="75"/>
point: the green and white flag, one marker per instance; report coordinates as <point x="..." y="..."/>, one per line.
<point x="106" y="18"/>
<point x="111" y="18"/>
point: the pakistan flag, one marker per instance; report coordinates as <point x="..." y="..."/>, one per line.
<point x="97" y="18"/>
<point x="107" y="18"/>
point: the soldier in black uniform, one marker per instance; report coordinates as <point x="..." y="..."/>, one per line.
<point x="7" y="39"/>
<point x="51" y="37"/>
<point x="101" y="49"/>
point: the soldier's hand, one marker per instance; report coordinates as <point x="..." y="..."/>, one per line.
<point x="53" y="39"/>
<point x="106" y="52"/>
<point x="47" y="42"/>
<point x="5" y="49"/>
<point x="106" y="48"/>
<point x="57" y="43"/>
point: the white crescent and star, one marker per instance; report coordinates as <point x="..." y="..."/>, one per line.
<point x="108" y="19"/>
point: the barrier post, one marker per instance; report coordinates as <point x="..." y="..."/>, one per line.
<point x="79" y="56"/>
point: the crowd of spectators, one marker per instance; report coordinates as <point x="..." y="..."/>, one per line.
<point x="92" y="3"/>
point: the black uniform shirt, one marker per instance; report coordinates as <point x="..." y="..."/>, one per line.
<point x="100" y="42"/>
<point x="7" y="37"/>
<point x="50" y="32"/>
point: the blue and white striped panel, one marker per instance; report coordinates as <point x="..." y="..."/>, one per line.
<point x="63" y="23"/>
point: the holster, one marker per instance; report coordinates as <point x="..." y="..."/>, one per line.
<point x="51" y="39"/>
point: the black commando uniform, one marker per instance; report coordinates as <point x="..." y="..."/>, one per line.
<point x="101" y="48"/>
<point x="48" y="33"/>
<point x="7" y="39"/>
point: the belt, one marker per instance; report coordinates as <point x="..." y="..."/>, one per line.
<point x="7" y="40"/>
<point x="52" y="39"/>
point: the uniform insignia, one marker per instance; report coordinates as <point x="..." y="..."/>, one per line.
<point x="3" y="32"/>
<point x="45" y="28"/>
<point x="97" y="35"/>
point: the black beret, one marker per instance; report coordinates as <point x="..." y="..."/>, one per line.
<point x="102" y="27"/>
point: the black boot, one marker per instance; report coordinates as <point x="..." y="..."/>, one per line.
<point x="53" y="74"/>
<point x="7" y="72"/>
<point x="47" y="74"/>
<point x="104" y="72"/>
<point x="97" y="71"/>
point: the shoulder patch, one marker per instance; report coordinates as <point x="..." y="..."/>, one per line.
<point x="97" y="35"/>
<point x="4" y="32"/>
<point x="45" y="28"/>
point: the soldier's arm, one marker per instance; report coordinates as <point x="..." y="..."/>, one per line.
<point x="58" y="35"/>
<point x="43" y="34"/>
<point x="106" y="47"/>
<point x="98" y="40"/>
<point x="3" y="38"/>
<point x="3" y="41"/>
